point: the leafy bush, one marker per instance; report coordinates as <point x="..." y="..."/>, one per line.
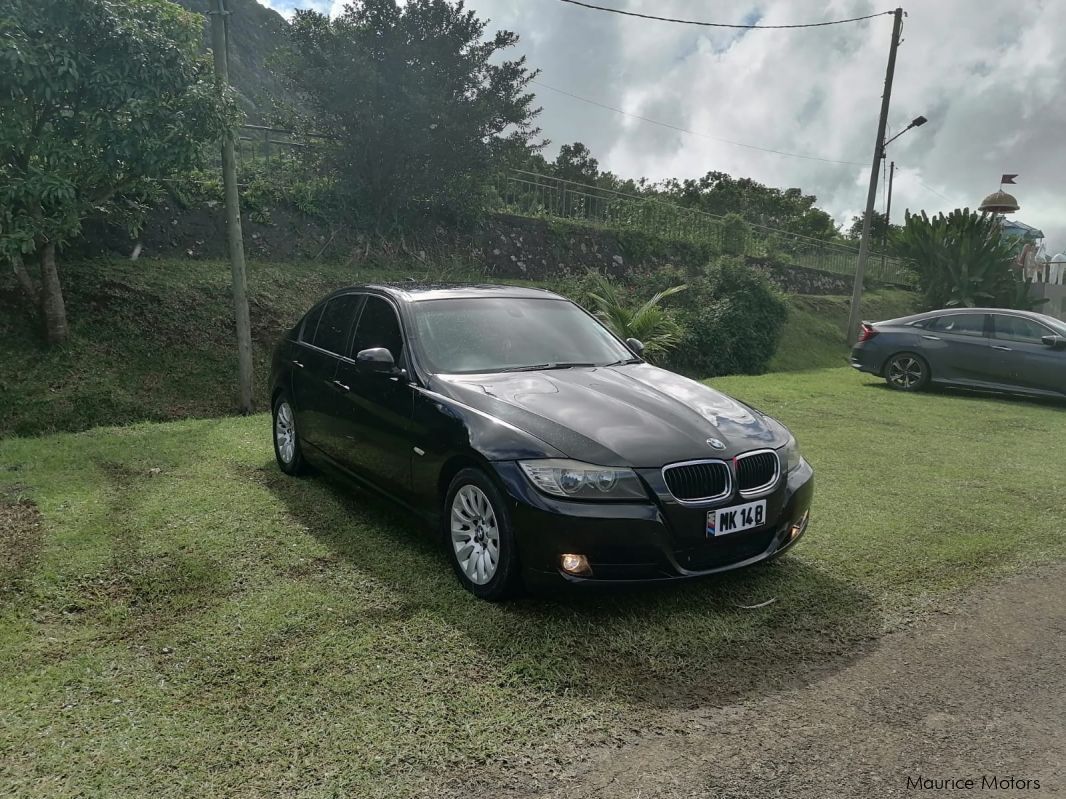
<point x="730" y="316"/>
<point x="963" y="260"/>
<point x="266" y="185"/>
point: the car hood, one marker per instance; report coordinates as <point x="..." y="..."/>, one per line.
<point x="635" y="415"/>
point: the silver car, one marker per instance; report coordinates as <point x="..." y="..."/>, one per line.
<point x="982" y="348"/>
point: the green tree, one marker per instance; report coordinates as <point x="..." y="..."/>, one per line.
<point x="575" y="163"/>
<point x="98" y="98"/>
<point x="879" y="227"/>
<point x="649" y="322"/>
<point x="721" y="194"/>
<point x="420" y="107"/>
<point x="961" y="259"/>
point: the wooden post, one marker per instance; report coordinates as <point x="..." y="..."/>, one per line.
<point x="875" y="172"/>
<point x="234" y="235"/>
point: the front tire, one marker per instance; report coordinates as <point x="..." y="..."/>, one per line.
<point x="907" y="371"/>
<point x="286" y="441"/>
<point x="478" y="536"/>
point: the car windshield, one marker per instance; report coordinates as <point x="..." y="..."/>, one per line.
<point x="496" y="334"/>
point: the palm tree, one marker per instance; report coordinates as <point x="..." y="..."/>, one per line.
<point x="650" y="323"/>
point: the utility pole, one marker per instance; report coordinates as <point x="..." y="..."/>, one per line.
<point x="234" y="234"/>
<point x="875" y="171"/>
<point x="888" y="214"/>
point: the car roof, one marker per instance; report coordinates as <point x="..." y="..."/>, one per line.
<point x="414" y="291"/>
<point x="1035" y="316"/>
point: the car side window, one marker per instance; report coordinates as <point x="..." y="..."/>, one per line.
<point x="1017" y="328"/>
<point x="962" y="324"/>
<point x="378" y="327"/>
<point x="336" y="323"/>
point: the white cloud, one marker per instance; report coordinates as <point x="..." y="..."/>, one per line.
<point x="287" y="7"/>
<point x="990" y="77"/>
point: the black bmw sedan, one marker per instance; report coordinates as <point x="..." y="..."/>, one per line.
<point x="543" y="447"/>
<point x="991" y="349"/>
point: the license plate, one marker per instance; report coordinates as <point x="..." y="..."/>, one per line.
<point x="735" y="519"/>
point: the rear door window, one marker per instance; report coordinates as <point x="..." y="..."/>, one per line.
<point x="336" y="323"/>
<point x="962" y="324"/>
<point x="310" y="325"/>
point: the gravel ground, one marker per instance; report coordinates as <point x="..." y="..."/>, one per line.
<point x="977" y="692"/>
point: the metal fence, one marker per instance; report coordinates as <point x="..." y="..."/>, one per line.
<point x="262" y="143"/>
<point x="531" y="194"/>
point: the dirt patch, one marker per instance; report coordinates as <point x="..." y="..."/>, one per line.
<point x="21" y="532"/>
<point x="977" y="693"/>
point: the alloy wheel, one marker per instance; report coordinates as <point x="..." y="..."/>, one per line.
<point x="475" y="534"/>
<point x="285" y="432"/>
<point x="905" y="372"/>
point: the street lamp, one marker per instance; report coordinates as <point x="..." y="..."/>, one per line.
<point x="917" y="122"/>
<point x="875" y="171"/>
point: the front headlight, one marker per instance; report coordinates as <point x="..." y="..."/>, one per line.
<point x="577" y="480"/>
<point x="790" y="455"/>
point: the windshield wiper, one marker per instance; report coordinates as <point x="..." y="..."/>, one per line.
<point x="534" y="368"/>
<point x="625" y="362"/>
<point x="540" y="367"/>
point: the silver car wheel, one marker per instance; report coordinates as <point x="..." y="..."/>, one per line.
<point x="475" y="534"/>
<point x="285" y="433"/>
<point x="905" y="372"/>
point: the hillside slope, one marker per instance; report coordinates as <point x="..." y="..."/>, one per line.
<point x="816" y="337"/>
<point x="154" y="339"/>
<point x="150" y="340"/>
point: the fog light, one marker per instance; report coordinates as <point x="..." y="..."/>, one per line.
<point x="795" y="530"/>
<point x="575" y="564"/>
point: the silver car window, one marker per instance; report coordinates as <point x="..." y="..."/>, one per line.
<point x="963" y="324"/>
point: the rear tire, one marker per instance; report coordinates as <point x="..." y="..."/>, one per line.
<point x="478" y="536"/>
<point x="286" y="440"/>
<point x="907" y="371"/>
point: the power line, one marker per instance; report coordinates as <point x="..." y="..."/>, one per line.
<point x="723" y="24"/>
<point x="927" y="188"/>
<point x="696" y="132"/>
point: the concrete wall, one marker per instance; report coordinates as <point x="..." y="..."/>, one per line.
<point x="1056" y="304"/>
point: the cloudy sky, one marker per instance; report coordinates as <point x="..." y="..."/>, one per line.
<point x="990" y="76"/>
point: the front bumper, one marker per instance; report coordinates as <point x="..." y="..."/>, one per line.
<point x="654" y="541"/>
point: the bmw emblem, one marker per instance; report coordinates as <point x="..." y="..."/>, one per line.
<point x="715" y="443"/>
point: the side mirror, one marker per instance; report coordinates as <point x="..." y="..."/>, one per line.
<point x="377" y="360"/>
<point x="636" y="345"/>
<point x="1055" y="342"/>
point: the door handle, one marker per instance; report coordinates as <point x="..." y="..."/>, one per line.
<point x="932" y="338"/>
<point x="1001" y="349"/>
<point x="297" y="363"/>
<point x="341" y="385"/>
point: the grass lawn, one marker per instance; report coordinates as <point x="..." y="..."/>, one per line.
<point x="182" y="620"/>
